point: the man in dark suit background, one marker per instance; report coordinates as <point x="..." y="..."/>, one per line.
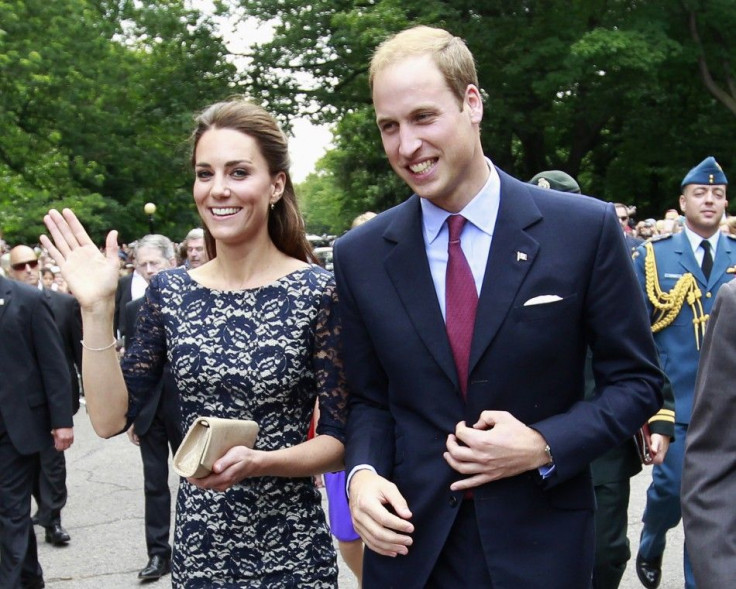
<point x="468" y="440"/>
<point x="35" y="413"/>
<point x="130" y="287"/>
<point x="622" y="211"/>
<point x="157" y="427"/>
<point x="49" y="488"/>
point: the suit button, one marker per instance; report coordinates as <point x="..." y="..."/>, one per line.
<point x="708" y="295"/>
<point x="453" y="501"/>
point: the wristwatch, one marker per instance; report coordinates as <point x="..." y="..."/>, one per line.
<point x="548" y="452"/>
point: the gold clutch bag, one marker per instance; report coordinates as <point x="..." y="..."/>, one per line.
<point x="208" y="439"/>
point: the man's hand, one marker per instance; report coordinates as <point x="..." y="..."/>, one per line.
<point x="496" y="447"/>
<point x="63" y="438"/>
<point x="371" y="496"/>
<point x="658" y="448"/>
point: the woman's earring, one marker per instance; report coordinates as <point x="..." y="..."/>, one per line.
<point x="273" y="204"/>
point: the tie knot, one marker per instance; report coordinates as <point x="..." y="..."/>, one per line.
<point x="455" y="224"/>
<point x="705" y="244"/>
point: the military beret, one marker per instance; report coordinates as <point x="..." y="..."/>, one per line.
<point x="706" y="172"/>
<point x="556" y="180"/>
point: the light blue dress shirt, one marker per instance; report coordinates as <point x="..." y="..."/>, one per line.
<point x="475" y="239"/>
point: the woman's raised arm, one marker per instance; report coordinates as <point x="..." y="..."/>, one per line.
<point x="92" y="277"/>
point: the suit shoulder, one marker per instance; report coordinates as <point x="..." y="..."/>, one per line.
<point x="659" y="242"/>
<point x="61" y="297"/>
<point x="728" y="290"/>
<point x="25" y="290"/>
<point x="568" y="205"/>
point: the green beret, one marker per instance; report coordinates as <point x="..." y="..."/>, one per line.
<point x="706" y="172"/>
<point x="556" y="180"/>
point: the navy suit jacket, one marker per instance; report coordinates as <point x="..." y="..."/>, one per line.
<point x="527" y="360"/>
<point x="68" y="318"/>
<point x="35" y="383"/>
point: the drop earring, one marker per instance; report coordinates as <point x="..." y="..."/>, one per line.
<point x="273" y="204"/>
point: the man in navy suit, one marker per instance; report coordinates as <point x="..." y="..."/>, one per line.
<point x="469" y="440"/>
<point x="35" y="413"/>
<point x="49" y="488"/>
<point x="157" y="426"/>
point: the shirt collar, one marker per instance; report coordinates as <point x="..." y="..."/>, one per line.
<point x="481" y="211"/>
<point x="695" y="239"/>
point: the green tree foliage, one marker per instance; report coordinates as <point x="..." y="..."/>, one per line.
<point x="96" y="102"/>
<point x="626" y="95"/>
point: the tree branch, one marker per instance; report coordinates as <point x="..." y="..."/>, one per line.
<point x="728" y="100"/>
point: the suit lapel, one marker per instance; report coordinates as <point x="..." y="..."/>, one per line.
<point x="722" y="260"/>
<point x="408" y="268"/>
<point x="512" y="255"/>
<point x="687" y="257"/>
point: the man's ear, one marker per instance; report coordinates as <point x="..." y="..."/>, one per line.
<point x="473" y="101"/>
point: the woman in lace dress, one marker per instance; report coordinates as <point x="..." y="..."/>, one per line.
<point x="252" y="334"/>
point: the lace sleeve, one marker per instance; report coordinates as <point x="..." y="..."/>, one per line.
<point x="328" y="368"/>
<point x="145" y="357"/>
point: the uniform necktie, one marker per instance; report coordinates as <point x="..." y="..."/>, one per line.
<point x="707" y="264"/>
<point x="461" y="301"/>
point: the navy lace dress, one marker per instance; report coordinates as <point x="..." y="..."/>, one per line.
<point x="264" y="354"/>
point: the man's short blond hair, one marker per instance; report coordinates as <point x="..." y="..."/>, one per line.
<point x="452" y="56"/>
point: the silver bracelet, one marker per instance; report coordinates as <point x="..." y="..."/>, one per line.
<point x="86" y="347"/>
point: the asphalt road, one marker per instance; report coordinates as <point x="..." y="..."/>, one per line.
<point x="104" y="516"/>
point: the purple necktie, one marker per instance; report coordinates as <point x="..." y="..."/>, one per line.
<point x="461" y="300"/>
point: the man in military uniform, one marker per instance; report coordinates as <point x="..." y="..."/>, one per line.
<point x="680" y="275"/>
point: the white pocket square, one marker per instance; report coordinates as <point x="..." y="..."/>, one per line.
<point x="542" y="300"/>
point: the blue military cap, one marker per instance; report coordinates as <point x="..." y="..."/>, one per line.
<point x="706" y="172"/>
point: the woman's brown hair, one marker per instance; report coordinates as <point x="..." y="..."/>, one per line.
<point x="285" y="222"/>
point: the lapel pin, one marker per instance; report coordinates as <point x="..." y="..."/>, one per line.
<point x="520" y="257"/>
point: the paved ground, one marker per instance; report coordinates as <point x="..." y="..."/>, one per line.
<point x="104" y="516"/>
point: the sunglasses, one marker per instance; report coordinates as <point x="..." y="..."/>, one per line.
<point x="22" y="265"/>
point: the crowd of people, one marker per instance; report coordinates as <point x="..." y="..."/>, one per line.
<point x="461" y="467"/>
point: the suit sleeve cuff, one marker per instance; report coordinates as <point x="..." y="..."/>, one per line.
<point x="352" y="472"/>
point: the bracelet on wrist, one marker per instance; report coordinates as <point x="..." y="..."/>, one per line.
<point x="91" y="349"/>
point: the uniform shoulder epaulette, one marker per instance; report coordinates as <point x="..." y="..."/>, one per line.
<point x="730" y="236"/>
<point x="656" y="238"/>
